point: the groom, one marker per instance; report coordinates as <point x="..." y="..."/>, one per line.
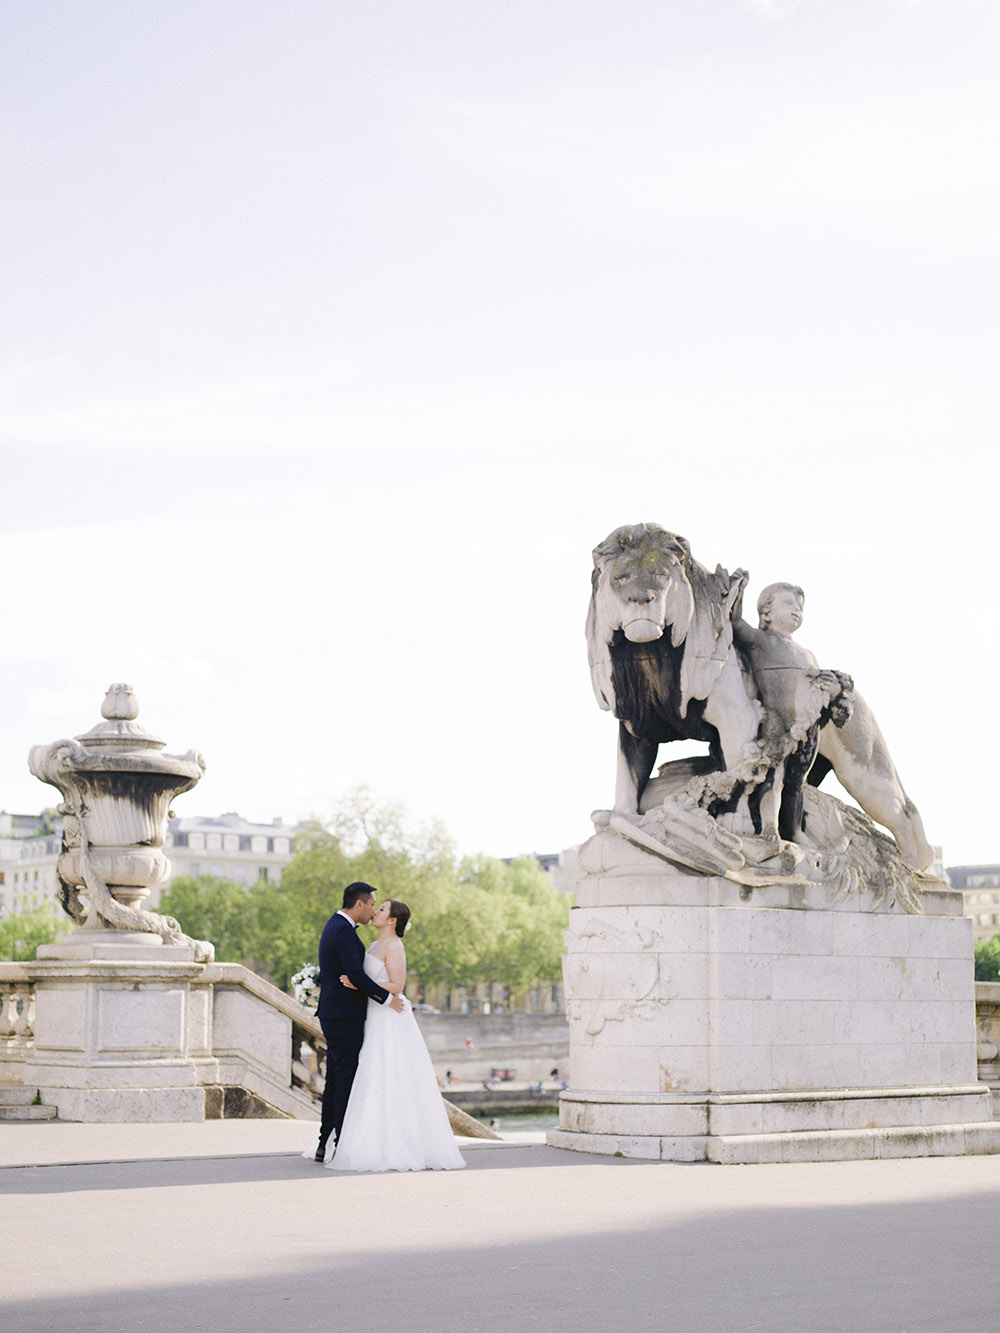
<point x="342" y="1011"/>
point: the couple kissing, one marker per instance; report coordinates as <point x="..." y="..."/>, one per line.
<point x="382" y="1109"/>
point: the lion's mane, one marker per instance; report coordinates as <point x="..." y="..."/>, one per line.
<point x="658" y="680"/>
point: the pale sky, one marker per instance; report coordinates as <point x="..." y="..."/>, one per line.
<point x="338" y="334"/>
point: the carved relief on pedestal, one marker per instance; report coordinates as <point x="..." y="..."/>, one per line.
<point x="615" y="988"/>
<point x="604" y="936"/>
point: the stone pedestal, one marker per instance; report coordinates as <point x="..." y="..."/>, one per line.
<point x="734" y="1025"/>
<point x="122" y="1029"/>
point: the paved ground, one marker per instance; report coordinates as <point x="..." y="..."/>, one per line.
<point x="223" y="1226"/>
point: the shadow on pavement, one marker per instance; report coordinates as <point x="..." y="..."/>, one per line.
<point x="183" y="1172"/>
<point x="879" y="1268"/>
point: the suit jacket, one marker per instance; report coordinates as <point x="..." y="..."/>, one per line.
<point x="340" y="951"/>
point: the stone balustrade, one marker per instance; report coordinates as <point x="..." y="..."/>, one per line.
<point x="267" y="1055"/>
<point x="262" y="1040"/>
<point x="256" y="1024"/>
<point x="17" y="1018"/>
<point x="285" y="1070"/>
<point x="988" y="1037"/>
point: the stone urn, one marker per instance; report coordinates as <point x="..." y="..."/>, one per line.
<point x="117" y="787"/>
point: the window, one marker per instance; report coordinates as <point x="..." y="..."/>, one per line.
<point x="258" y="844"/>
<point x="213" y="842"/>
<point x="194" y="868"/>
<point x="262" y="872"/>
<point x="240" y="874"/>
<point x="231" y="842"/>
<point x="280" y="846"/>
<point x="196" y="842"/>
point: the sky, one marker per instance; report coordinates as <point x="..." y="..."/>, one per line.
<point x="336" y="336"/>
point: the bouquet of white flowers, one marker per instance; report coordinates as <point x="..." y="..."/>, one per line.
<point x="305" y="986"/>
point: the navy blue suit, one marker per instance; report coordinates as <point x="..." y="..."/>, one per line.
<point x="341" y="1013"/>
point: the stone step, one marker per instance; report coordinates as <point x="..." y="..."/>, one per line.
<point x="30" y="1112"/>
<point x="16" y="1094"/>
<point x="18" y="1103"/>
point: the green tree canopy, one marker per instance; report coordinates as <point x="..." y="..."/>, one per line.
<point x="474" y="920"/>
<point x="219" y="910"/>
<point x="20" y="935"/>
<point x="987" y="953"/>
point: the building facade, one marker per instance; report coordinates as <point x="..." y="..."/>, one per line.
<point x="228" y="847"/>
<point x="29" y="849"/>
<point x="561" y="867"/>
<point x="980" y="888"/>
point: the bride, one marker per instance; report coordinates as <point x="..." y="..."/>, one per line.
<point x="395" y="1118"/>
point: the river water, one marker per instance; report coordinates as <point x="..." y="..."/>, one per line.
<point x="521" y="1120"/>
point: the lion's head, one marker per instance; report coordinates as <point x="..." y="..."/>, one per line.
<point x="646" y="584"/>
<point x="640" y="584"/>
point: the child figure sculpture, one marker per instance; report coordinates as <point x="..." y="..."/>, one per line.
<point x="798" y="697"/>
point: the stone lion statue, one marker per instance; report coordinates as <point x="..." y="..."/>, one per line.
<point x="664" y="661"/>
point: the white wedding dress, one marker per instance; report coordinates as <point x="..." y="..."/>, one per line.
<point x="395" y="1118"/>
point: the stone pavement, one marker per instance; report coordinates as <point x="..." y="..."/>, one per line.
<point x="223" y="1226"/>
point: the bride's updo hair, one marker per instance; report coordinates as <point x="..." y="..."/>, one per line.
<point x="401" y="913"/>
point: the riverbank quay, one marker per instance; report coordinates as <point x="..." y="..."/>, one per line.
<point x="472" y="1045"/>
<point x="223" y="1225"/>
<point x="503" y="1098"/>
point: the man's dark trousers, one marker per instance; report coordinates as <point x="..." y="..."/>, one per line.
<point x="344" y="1039"/>
<point x="341" y="1013"/>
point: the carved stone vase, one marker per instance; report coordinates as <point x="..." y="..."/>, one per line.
<point x="123" y="1017"/>
<point x="117" y="787"/>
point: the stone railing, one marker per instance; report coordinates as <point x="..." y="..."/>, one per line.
<point x="266" y="1053"/>
<point x="262" y="1041"/>
<point x="257" y="1025"/>
<point x="237" y="989"/>
<point x="17" y="1017"/>
<point x="259" y="1029"/>
<point x="988" y="1037"/>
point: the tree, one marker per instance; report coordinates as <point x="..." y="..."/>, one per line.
<point x="415" y="864"/>
<point x="518" y="921"/>
<point x="987" y="954"/>
<point x="21" y="935"/>
<point x="478" y="920"/>
<point x="219" y="910"/>
<point x="291" y="915"/>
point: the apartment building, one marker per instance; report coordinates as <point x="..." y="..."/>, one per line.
<point x="228" y="847"/>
